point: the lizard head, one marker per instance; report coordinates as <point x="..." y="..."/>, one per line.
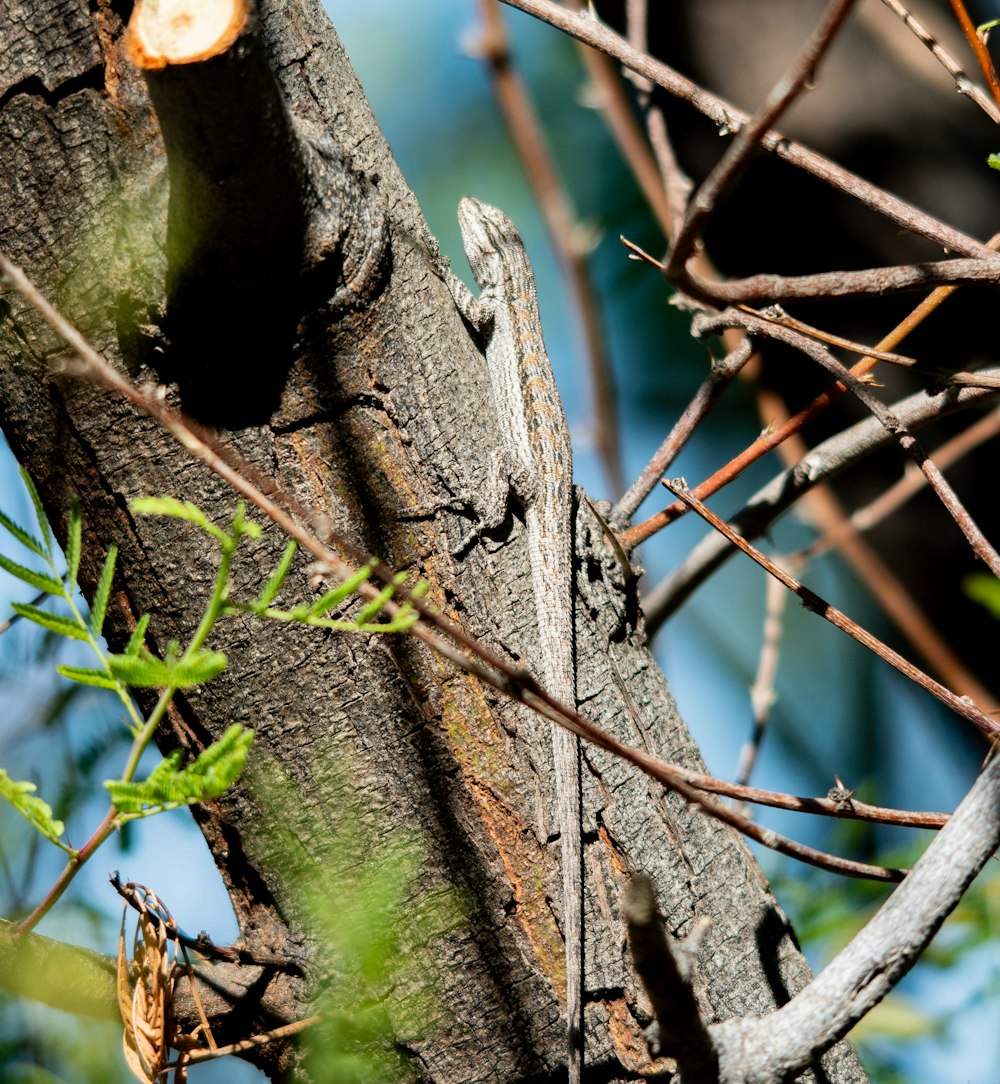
<point x="487" y="232"/>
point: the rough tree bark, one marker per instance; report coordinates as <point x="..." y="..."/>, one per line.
<point x="377" y="415"/>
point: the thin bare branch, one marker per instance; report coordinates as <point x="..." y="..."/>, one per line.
<point x="608" y="94"/>
<point x="762" y="693"/>
<point x="871" y="282"/>
<point x="839" y="807"/>
<point x="675" y="183"/>
<point x="719" y="378"/>
<point x="963" y="83"/>
<point x="981" y="546"/>
<point x="196" y="1057"/>
<point x="775" y="314"/>
<point x="720" y="182"/>
<point x="961" y="705"/>
<point x="588" y="29"/>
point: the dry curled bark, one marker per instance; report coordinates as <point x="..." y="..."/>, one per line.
<point x="375" y="412"/>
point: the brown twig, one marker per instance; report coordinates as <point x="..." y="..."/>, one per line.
<point x="870" y="282"/>
<point x="762" y="693"/>
<point x="775" y="314"/>
<point x="609" y="96"/>
<point x="821" y="807"/>
<point x="822" y="509"/>
<point x="826" y="514"/>
<point x="674" y="182"/>
<point x="981" y="546"/>
<point x="719" y="378"/>
<point x="963" y="84"/>
<point x="729" y="118"/>
<point x="720" y="182"/>
<point x="961" y="705"/>
<point x="567" y="237"/>
<point x="982" y="54"/>
<point x="286" y="1031"/>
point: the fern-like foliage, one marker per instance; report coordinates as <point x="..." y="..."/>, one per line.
<point x="170" y="786"/>
<point x="37" y="812"/>
<point x="369" y="618"/>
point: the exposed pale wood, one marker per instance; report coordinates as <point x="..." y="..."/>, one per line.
<point x="165" y="32"/>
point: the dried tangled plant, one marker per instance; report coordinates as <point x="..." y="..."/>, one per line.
<point x="146" y="988"/>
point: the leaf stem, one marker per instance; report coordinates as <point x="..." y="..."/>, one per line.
<point x="144" y="731"/>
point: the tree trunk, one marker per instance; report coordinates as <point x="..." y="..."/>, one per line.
<point x="378" y="415"/>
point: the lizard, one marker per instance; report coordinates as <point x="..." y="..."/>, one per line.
<point x="537" y="465"/>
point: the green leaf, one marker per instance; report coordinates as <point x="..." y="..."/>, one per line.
<point x="145" y="671"/>
<point x="142" y="671"/>
<point x="984" y="589"/>
<point x="993" y="161"/>
<point x="100" y="679"/>
<point x="39" y="580"/>
<point x="222" y="763"/>
<point x="373" y="608"/>
<point x="26" y="539"/>
<point x="63" y="626"/>
<point x="99" y="607"/>
<point x="170" y="506"/>
<point x="274" y="584"/>
<point x="196" y="669"/>
<point x="43" y="519"/>
<point x="74" y="529"/>
<point x="36" y="811"/>
<point x="168" y="767"/>
<point x="242" y="525"/>
<point x="341" y="591"/>
<point x="169" y="786"/>
<point x="134" y="644"/>
<point x="129" y="798"/>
